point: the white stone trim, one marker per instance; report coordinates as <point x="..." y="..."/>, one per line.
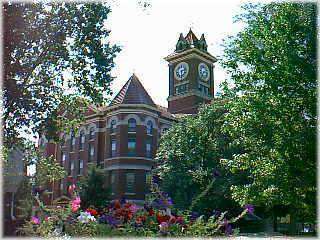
<point x="108" y="122"/>
<point x="191" y="93"/>
<point x="154" y="124"/>
<point x="135" y="116"/>
<point x="92" y="125"/>
<point x="128" y="166"/>
<point x="197" y="53"/>
<point x="125" y="157"/>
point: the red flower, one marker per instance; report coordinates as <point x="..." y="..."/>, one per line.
<point x="92" y="211"/>
<point x="161" y="218"/>
<point x="151" y="212"/>
<point x="172" y="220"/>
<point x="117" y="204"/>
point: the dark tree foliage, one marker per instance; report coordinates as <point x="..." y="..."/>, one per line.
<point x="272" y="106"/>
<point x="92" y="189"/>
<point x="54" y="53"/>
<point x="189" y="158"/>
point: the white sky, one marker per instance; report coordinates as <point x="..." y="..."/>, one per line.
<point x="148" y="36"/>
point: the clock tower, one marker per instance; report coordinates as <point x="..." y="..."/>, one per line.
<point x="191" y="77"/>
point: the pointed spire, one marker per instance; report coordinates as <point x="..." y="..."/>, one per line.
<point x="191" y="38"/>
<point x="181" y="38"/>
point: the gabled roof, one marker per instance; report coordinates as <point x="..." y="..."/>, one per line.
<point x="132" y="92"/>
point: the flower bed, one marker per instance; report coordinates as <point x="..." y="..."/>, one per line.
<point x="156" y="217"/>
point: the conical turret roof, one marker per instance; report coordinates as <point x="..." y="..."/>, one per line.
<point x="133" y="92"/>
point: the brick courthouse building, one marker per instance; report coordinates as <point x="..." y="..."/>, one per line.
<point x="123" y="137"/>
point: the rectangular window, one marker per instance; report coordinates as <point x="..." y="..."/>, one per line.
<point x="91" y="152"/>
<point x="130" y="182"/>
<point x="63" y="158"/>
<point x="113" y="147"/>
<point x="113" y="181"/>
<point x="148" y="148"/>
<point x="61" y="186"/>
<point x="131" y="147"/>
<point x="71" y="167"/>
<point x="148" y="180"/>
<point x="181" y="88"/>
<point x="80" y="169"/>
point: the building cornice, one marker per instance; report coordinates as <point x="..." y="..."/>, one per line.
<point x="191" y="93"/>
<point x="193" y="52"/>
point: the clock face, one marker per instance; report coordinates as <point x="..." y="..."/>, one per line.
<point x="181" y="71"/>
<point x="204" y="72"/>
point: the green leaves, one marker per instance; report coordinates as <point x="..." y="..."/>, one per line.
<point x="272" y="106"/>
<point x="54" y="53"/>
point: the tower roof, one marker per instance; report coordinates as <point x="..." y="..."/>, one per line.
<point x="133" y="92"/>
<point x="191" y="38"/>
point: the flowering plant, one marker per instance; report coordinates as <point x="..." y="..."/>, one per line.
<point x="157" y="217"/>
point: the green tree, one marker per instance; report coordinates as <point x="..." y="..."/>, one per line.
<point x="54" y="53"/>
<point x="272" y="106"/>
<point x="188" y="157"/>
<point x="92" y="188"/>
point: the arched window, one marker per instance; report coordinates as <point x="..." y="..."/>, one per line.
<point x="132" y="124"/>
<point x="149" y="127"/>
<point x="91" y="133"/>
<point x="82" y="140"/>
<point x="113" y="126"/>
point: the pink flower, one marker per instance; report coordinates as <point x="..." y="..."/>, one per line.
<point x="75" y="204"/>
<point x="71" y="188"/>
<point x="35" y="220"/>
<point x="134" y="208"/>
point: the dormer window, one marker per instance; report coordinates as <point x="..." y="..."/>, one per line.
<point x="132" y="125"/>
<point x="149" y="127"/>
<point x="113" y="126"/>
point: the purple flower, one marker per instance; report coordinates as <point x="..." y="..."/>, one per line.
<point x="111" y="221"/>
<point x="35" y="220"/>
<point x="123" y="200"/>
<point x="216" y="173"/>
<point x="194" y="216"/>
<point x="156" y="179"/>
<point x="228" y="229"/>
<point x="164" y="227"/>
<point x="250" y="208"/>
<point x="216" y="213"/>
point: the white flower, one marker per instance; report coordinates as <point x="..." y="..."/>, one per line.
<point x="86" y="217"/>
